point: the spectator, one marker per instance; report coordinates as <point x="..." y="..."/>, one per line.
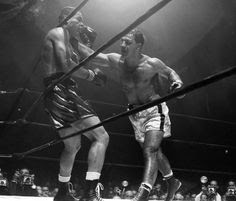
<point x="153" y="197"/>
<point x="54" y="192"/>
<point x="116" y="193"/>
<point x="230" y="194"/>
<point x="128" y="194"/>
<point x="4" y="185"/>
<point x="179" y="196"/>
<point x="203" y="197"/>
<point x="39" y="191"/>
<point x="188" y="196"/>
<point x="203" y="191"/>
<point x="157" y="190"/>
<point x="45" y="191"/>
<point x="23" y="183"/>
<point x="214" y="195"/>
<point x="210" y="191"/>
<point x="193" y="197"/>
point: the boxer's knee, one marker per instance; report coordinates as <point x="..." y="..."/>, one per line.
<point x="72" y="147"/>
<point x="100" y="135"/>
<point x="104" y="137"/>
<point x="150" y="151"/>
<point x="73" y="144"/>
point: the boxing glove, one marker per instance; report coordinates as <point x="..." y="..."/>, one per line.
<point x="87" y="35"/>
<point x="97" y="77"/>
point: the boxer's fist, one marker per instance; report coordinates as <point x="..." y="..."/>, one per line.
<point x="100" y="78"/>
<point x="175" y="86"/>
<point x="97" y="77"/>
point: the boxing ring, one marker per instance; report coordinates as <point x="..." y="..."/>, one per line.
<point x="187" y="89"/>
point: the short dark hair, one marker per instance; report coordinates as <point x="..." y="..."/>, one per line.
<point x="138" y="36"/>
<point x="66" y="11"/>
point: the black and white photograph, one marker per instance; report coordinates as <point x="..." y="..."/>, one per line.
<point x="109" y="100"/>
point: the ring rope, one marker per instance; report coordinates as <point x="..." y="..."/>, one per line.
<point x="21" y="121"/>
<point x="172" y="114"/>
<point x="138" y="21"/>
<point x="208" y="80"/>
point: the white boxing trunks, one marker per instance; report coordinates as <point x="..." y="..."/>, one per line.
<point x="154" y="118"/>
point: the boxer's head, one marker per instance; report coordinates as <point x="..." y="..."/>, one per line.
<point x="66" y="11"/>
<point x="74" y="24"/>
<point x="131" y="42"/>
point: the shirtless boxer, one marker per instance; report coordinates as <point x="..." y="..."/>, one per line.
<point x="136" y="73"/>
<point x="65" y="106"/>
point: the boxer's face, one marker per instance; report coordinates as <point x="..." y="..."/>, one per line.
<point x="78" y="16"/>
<point x="76" y="24"/>
<point x="127" y="45"/>
<point x="75" y="27"/>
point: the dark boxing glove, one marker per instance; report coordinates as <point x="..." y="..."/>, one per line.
<point x="97" y="77"/>
<point x="87" y="35"/>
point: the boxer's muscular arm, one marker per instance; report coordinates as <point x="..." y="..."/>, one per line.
<point x="167" y="72"/>
<point x="59" y="53"/>
<point x="101" y="60"/>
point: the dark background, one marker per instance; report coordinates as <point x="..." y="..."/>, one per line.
<point x="195" y="38"/>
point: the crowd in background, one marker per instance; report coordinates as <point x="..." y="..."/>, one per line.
<point x="22" y="183"/>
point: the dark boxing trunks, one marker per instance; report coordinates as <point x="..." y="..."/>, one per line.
<point x="63" y="102"/>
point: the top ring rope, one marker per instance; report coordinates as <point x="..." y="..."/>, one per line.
<point x="206" y="81"/>
<point x="138" y="21"/>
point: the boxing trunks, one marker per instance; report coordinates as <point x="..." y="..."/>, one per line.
<point x="64" y="104"/>
<point x="154" y="118"/>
